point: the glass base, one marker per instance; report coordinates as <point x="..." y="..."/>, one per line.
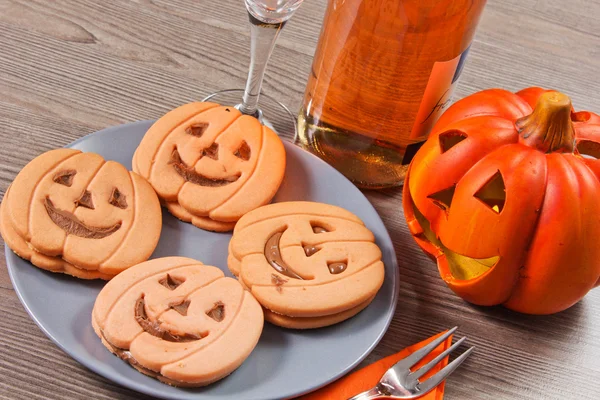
<point x="272" y="113"/>
<point x="368" y="163"/>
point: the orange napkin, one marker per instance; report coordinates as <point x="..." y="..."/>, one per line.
<point x="366" y="378"/>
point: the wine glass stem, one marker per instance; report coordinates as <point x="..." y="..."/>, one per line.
<point x="262" y="41"/>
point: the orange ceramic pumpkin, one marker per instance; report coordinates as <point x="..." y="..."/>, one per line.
<point x="505" y="196"/>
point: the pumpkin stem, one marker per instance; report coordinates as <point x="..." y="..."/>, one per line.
<point x="549" y="127"/>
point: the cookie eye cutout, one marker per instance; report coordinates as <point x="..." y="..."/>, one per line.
<point x="243" y="151"/>
<point x="493" y="193"/>
<point x="197" y="129"/>
<point x="337" y="267"/>
<point x="69" y="223"/>
<point x="170" y="283"/>
<point x="118" y="199"/>
<point x="65" y="177"/>
<point x="155" y="327"/>
<point x="319" y="228"/>
<point x="85" y="200"/>
<point x="310" y="250"/>
<point x="443" y="198"/>
<point x="181" y="307"/>
<point x="451" y="138"/>
<point x="211" y="152"/>
<point x="217" y="312"/>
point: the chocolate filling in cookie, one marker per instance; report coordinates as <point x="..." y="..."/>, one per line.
<point x="190" y="174"/>
<point x="69" y="223"/>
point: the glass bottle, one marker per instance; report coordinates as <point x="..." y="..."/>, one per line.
<point x="383" y="72"/>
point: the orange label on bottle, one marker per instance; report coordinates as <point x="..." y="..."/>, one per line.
<point x="438" y="94"/>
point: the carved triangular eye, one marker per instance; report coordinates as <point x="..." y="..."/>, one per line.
<point x="211" y="152"/>
<point x="443" y="198"/>
<point x="217" y="312"/>
<point x="65" y="177"/>
<point x="243" y="151"/>
<point x="197" y="129"/>
<point x="118" y="199"/>
<point x="85" y="200"/>
<point x="493" y="193"/>
<point x="318" y="228"/>
<point x="181" y="307"/>
<point x="337" y="267"/>
<point x="309" y="250"/>
<point x="451" y="138"/>
<point x="589" y="149"/>
<point x="170" y="282"/>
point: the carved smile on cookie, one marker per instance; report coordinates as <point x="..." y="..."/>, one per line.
<point x="273" y="256"/>
<point x="155" y="328"/>
<point x="72" y="225"/>
<point x="190" y="174"/>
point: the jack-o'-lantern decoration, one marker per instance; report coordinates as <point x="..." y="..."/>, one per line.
<point x="504" y="196"/>
<point x="210" y="164"/>
<point x="74" y="212"/>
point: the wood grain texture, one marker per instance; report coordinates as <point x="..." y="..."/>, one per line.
<point x="71" y="67"/>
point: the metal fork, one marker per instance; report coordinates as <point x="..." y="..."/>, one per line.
<point x="399" y="382"/>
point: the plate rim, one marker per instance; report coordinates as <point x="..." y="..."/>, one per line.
<point x="140" y="387"/>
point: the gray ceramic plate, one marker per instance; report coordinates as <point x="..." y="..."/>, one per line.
<point x="285" y="363"/>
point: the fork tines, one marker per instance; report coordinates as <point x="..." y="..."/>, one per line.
<point x="436" y="379"/>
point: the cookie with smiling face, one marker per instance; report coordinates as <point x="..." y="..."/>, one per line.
<point x="76" y="213"/>
<point x="177" y="320"/>
<point x="308" y="264"/>
<point x="210" y="164"/>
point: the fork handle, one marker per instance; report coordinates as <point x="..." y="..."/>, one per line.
<point x="373" y="393"/>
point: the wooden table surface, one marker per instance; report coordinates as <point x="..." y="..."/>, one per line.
<point x="71" y="67"/>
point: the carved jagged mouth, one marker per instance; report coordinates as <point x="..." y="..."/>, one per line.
<point x="72" y="225"/>
<point x="461" y="267"/>
<point x="190" y="174"/>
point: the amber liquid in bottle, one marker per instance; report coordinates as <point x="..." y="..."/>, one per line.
<point x="382" y="74"/>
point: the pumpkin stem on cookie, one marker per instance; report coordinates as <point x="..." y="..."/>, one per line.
<point x="549" y="127"/>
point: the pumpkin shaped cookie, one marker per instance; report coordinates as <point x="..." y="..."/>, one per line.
<point x="308" y="264"/>
<point x="76" y="213"/>
<point x="177" y="320"/>
<point x="210" y="164"/>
